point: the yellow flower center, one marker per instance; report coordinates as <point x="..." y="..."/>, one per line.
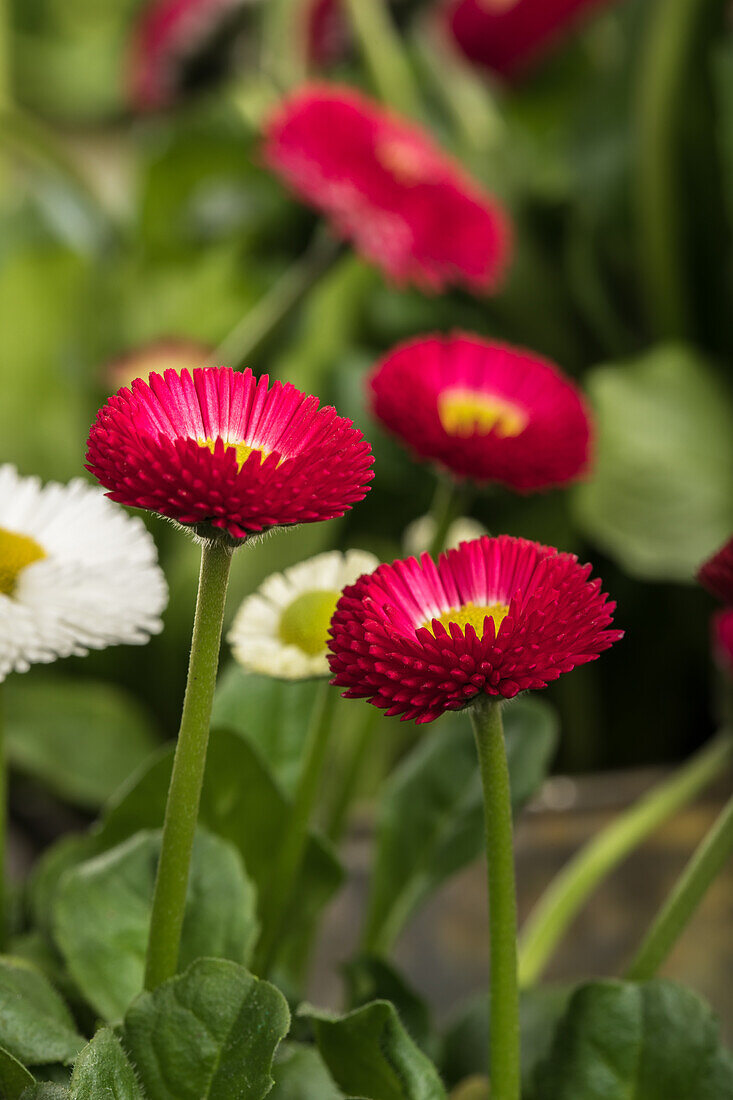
<point x="467" y="412"/>
<point x="306" y="620"/>
<point x="16" y="553"/>
<point x="243" y="450"/>
<point x="402" y="160"/>
<point x="470" y="614"/>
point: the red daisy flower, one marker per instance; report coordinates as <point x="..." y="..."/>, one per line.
<point x="506" y="35"/>
<point x="166" y="353"/>
<point x="495" y="617"/>
<point x="717" y="573"/>
<point x="722" y="629"/>
<point x="217" y="449"/>
<point x="388" y="188"/>
<point x="167" y="36"/>
<point x="484" y="411"/>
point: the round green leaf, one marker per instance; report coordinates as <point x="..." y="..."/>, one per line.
<point x="35" y="1025"/>
<point x="101" y="916"/>
<point x="208" y="1034"/>
<point x="660" y="498"/>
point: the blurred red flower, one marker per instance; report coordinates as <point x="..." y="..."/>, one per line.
<point x="387" y="187"/>
<point x="505" y="35"/>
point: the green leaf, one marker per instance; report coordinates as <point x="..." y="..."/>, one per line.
<point x="300" y="1074"/>
<point x="369" y="1053"/>
<point x="370" y="978"/>
<point x="431" y="813"/>
<point x="624" y="1041"/>
<point x="241" y="802"/>
<point x="102" y="916"/>
<point x="45" y="1090"/>
<point x="660" y="499"/>
<point x="104" y="1070"/>
<point x="35" y="1024"/>
<point x="14" y="1077"/>
<point x="208" y="1034"/>
<point x="271" y="714"/>
<point x="80" y="738"/>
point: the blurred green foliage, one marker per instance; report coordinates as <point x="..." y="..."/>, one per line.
<point x="117" y="228"/>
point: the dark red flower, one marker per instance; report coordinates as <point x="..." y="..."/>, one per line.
<point x="717" y="573"/>
<point x="495" y="617"/>
<point x="722" y="630"/>
<point x="219" y="449"/>
<point x="505" y="35"/>
<point x="387" y="187"/>
<point x="484" y="411"/>
<point x="167" y="36"/>
<point x="328" y="32"/>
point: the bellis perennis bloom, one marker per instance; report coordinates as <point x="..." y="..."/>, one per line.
<point x="219" y="451"/>
<point x="388" y="188"/>
<point x="495" y="617"/>
<point x="167" y="36"/>
<point x="282" y="630"/>
<point x="505" y="35"/>
<point x="717" y="573"/>
<point x="76" y="573"/>
<point x="717" y="576"/>
<point x="484" y="411"/>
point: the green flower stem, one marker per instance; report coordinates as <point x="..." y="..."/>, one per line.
<point x="706" y="863"/>
<point x="184" y="793"/>
<point x="279" y="300"/>
<point x="285" y="42"/>
<point x="348" y="783"/>
<point x="279" y="894"/>
<point x="664" y="69"/>
<point x="382" y="50"/>
<point x="504" y="991"/>
<point x="450" y="500"/>
<point x="569" y="890"/>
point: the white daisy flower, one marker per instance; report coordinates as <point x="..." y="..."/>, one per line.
<point x="76" y="573"/>
<point x="282" y="630"/>
<point x="419" y="534"/>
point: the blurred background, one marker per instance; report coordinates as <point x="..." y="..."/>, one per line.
<point x="137" y="219"/>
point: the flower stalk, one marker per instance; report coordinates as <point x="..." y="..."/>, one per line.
<point x="279" y="895"/>
<point x="504" y="991"/>
<point x="566" y="894"/>
<point x="384" y="55"/>
<point x="706" y="864"/>
<point x="184" y="793"/>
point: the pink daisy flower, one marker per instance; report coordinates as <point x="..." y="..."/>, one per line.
<point x="722" y="629"/>
<point x="484" y="411"/>
<point x="168" y="35"/>
<point x="717" y="573"/>
<point x="496" y="616"/>
<point x="388" y="188"/>
<point x="216" y="449"/>
<point x="506" y="35"/>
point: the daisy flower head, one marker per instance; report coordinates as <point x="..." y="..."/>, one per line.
<point x="386" y="187"/>
<point x="716" y="574"/>
<point x="282" y="629"/>
<point x="168" y="39"/>
<point x="505" y="36"/>
<point x="484" y="411"/>
<point x="167" y="353"/>
<point x="494" y="617"/>
<point x="227" y="454"/>
<point x="76" y="573"/>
